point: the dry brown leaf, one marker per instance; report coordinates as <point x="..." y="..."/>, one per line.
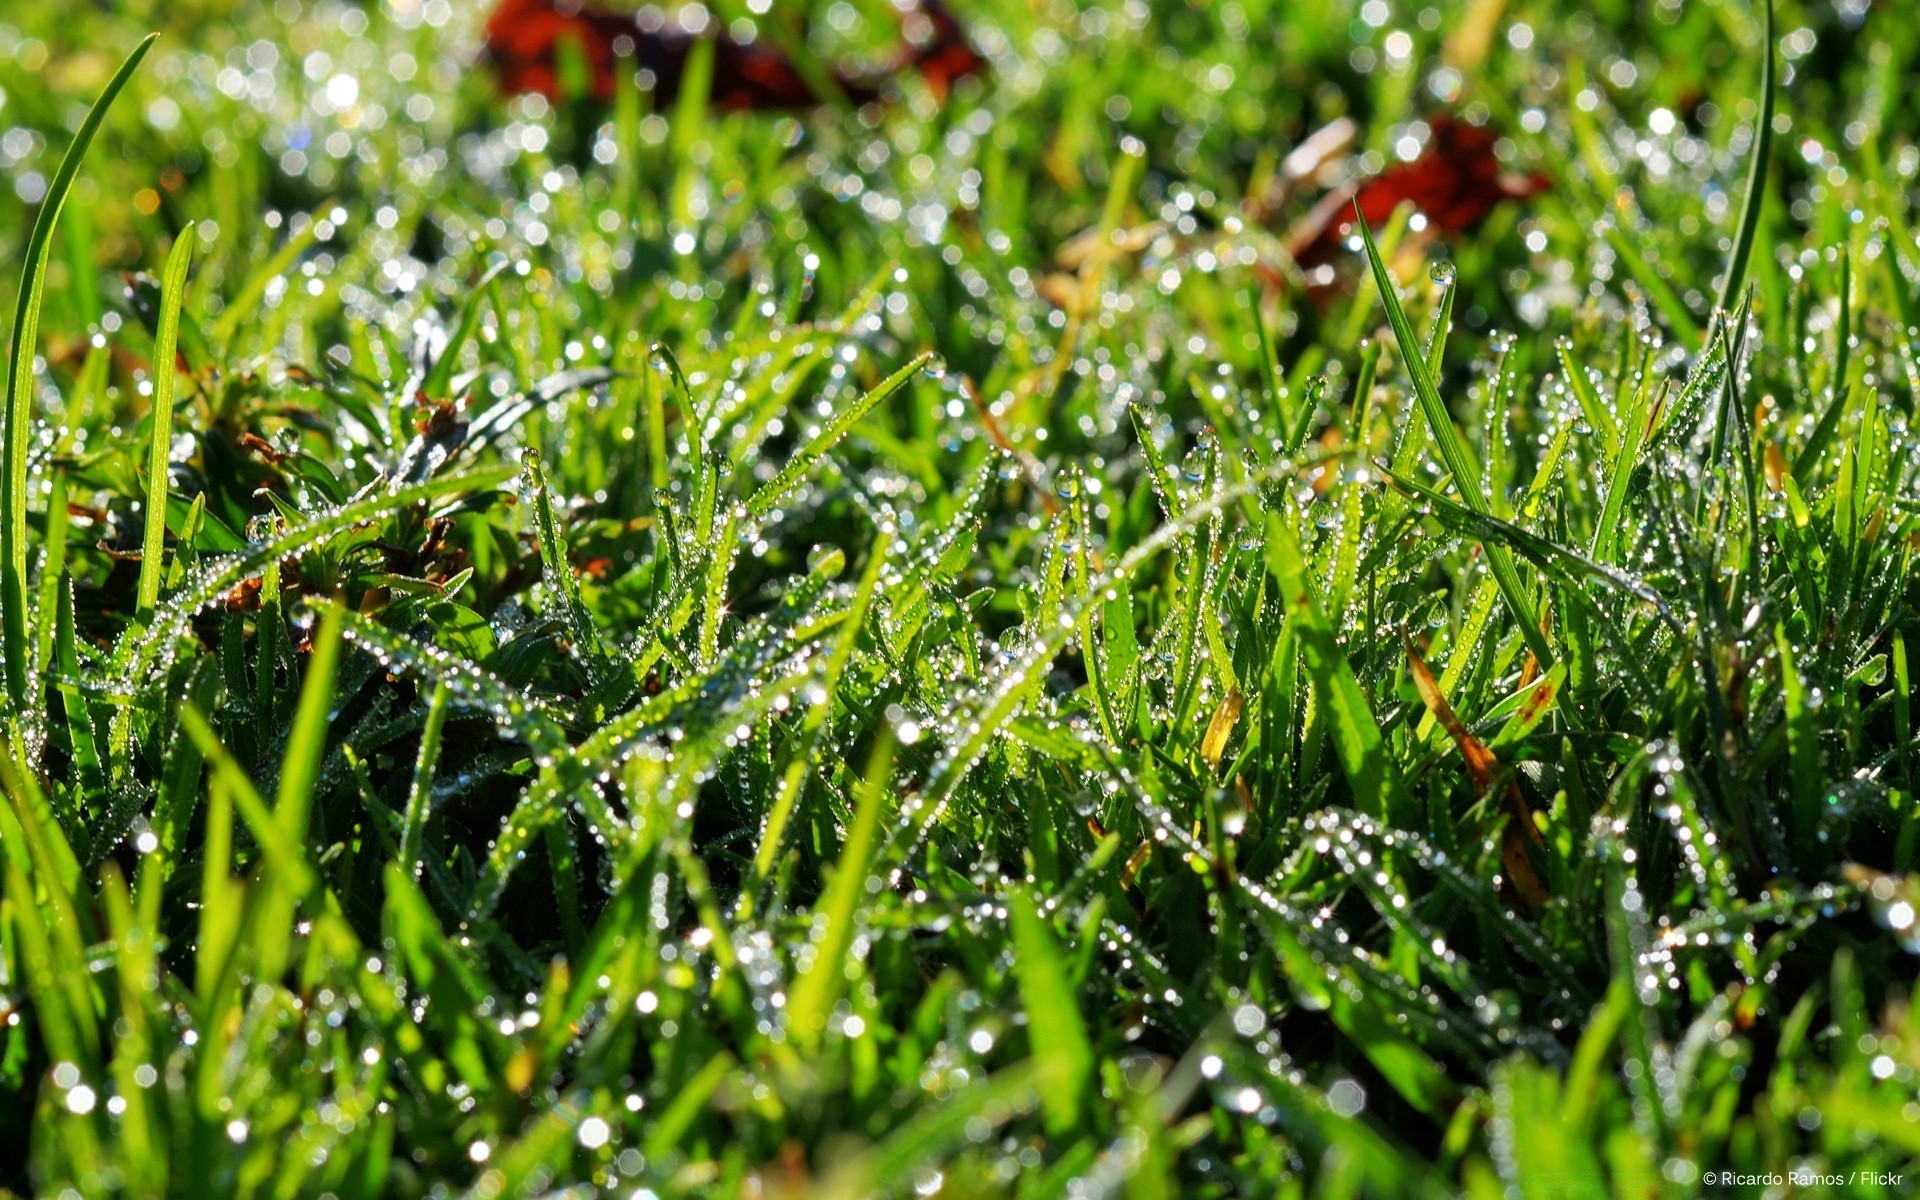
<point x="1220" y="728"/>
<point x="1519" y="833"/>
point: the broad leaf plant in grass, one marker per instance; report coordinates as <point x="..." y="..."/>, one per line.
<point x="1002" y="633"/>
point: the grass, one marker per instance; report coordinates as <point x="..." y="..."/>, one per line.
<point x="560" y="651"/>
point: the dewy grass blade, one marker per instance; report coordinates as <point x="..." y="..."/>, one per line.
<point x="1466" y="476"/>
<point x="81" y="739"/>
<point x="1803" y="750"/>
<point x="818" y="983"/>
<point x="821" y="710"/>
<point x="439" y="381"/>
<point x="1480" y="611"/>
<point x="206" y="588"/>
<point x="1542" y="552"/>
<point x="1442" y="325"/>
<point x="53" y="566"/>
<point x="244" y="304"/>
<point x="1633" y="438"/>
<point x="556" y="566"/>
<point x="720" y="560"/>
<point x="1056" y="1030"/>
<point x="1581" y="385"/>
<point x="987" y="713"/>
<point x="1356" y="733"/>
<point x="1269" y="363"/>
<point x="512" y="710"/>
<point x="420" y="794"/>
<point x="769" y="495"/>
<point x="1903" y="716"/>
<point x="1158" y="478"/>
<point x="19" y="411"/>
<point x="306" y="741"/>
<point x="1840" y="392"/>
<point x="1736" y="277"/>
<point x="173" y="287"/>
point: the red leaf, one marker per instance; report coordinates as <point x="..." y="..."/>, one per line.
<point x="1456" y="182"/>
<point x="523" y="40"/>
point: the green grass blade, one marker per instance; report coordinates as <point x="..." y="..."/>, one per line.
<point x="1056" y="1031"/>
<point x="19" y="411"/>
<point x="421" y="791"/>
<point x="1542" y="552"/>
<point x="82" y="742"/>
<point x="557" y="569"/>
<point x="1356" y="734"/>
<point x="822" y="975"/>
<point x="763" y="500"/>
<point x="512" y="709"/>
<point x="1632" y="438"/>
<point x="1269" y="363"/>
<point x="173" y="290"/>
<point x="1581" y="385"/>
<point x="53" y="567"/>
<point x="1453" y="452"/>
<point x="1903" y="714"/>
<point x="308" y="737"/>
<point x="1803" y="750"/>
<point x="1436" y="352"/>
<point x="140" y="653"/>
<point x="439" y="381"/>
<point x="1750" y="212"/>
<point x="1841" y="397"/>
<point x="821" y="711"/>
<point x="1158" y="478"/>
<point x="725" y="547"/>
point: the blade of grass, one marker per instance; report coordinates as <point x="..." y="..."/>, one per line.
<point x="763" y="500"/>
<point x="1581" y="384"/>
<point x="1542" y="552"/>
<point x="419" y="795"/>
<point x="1736" y="277"/>
<point x="821" y="711"/>
<point x="1164" y="487"/>
<point x="1638" y="421"/>
<point x="53" y="567"/>
<point x="299" y="768"/>
<point x="19" y="411"/>
<point x="173" y="288"/>
<point x="1480" y="609"/>
<point x="557" y="569"/>
<point x="1453" y="452"/>
<point x="1840" y="391"/>
<point x="819" y="980"/>
<point x="1803" y="750"/>
<point x="1055" y="1029"/>
<point x="440" y="375"/>
<point x="1356" y="734"/>
<point x="1903" y="713"/>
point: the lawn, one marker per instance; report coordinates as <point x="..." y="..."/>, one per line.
<point x="833" y="600"/>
